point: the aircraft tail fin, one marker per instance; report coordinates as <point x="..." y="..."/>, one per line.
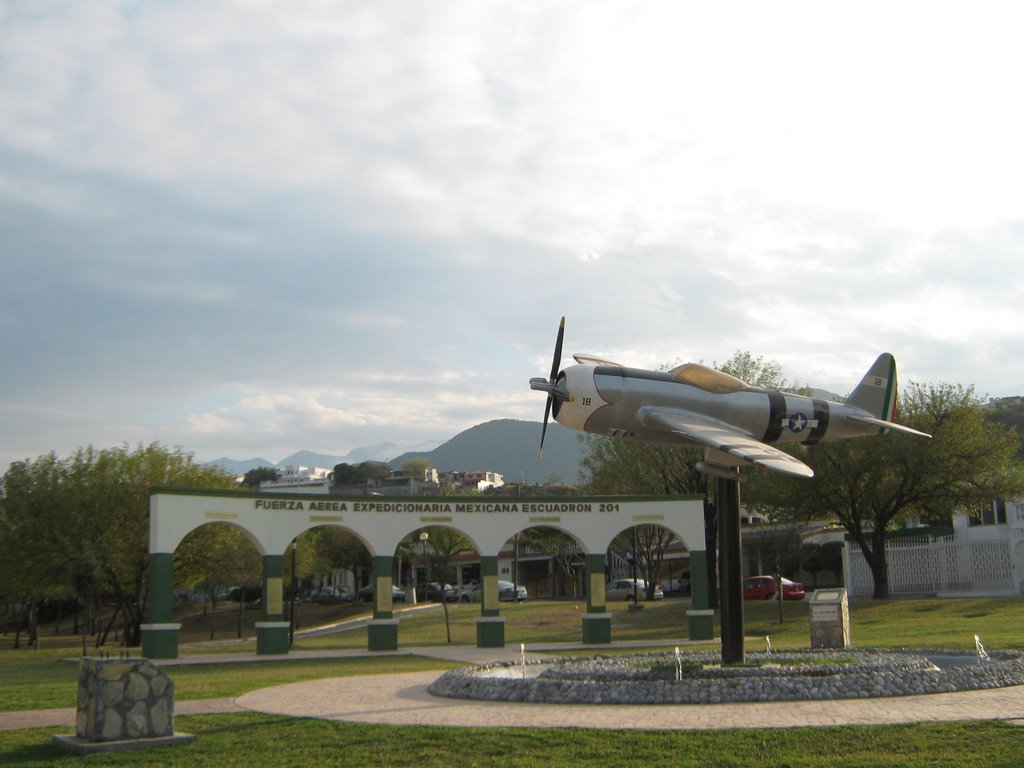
<point x="876" y="392"/>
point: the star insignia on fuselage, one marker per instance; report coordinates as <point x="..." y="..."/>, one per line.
<point x="798" y="423"/>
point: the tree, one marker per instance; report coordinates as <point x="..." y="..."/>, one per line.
<point x="336" y="549"/>
<point x="617" y="466"/>
<point x="870" y="484"/>
<point x="373" y="470"/>
<point x="416" y="468"/>
<point x="345" y="474"/>
<point x="358" y="474"/>
<point x="562" y="551"/>
<point x="90" y="512"/>
<point x="775" y="549"/>
<point x="33" y="545"/>
<point x="443" y="544"/>
<point x="1009" y="412"/>
<point x="757" y="371"/>
<point x="648" y="544"/>
<point x="257" y="475"/>
<point x="442" y="547"/>
<point x="215" y="556"/>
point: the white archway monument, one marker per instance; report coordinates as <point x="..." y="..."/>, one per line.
<point x="272" y="521"/>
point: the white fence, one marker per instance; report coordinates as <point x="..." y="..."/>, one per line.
<point x="947" y="565"/>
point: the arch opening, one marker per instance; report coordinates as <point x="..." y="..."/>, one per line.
<point x="217" y="582"/>
<point x="494" y="542"/>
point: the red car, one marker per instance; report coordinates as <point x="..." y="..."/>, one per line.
<point x="763" y="588"/>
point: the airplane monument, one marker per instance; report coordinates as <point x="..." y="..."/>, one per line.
<point x="736" y="424"/>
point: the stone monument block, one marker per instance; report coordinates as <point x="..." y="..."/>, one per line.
<point x="123" y="699"/>
<point x="127" y="702"/>
<point x="830" y="619"/>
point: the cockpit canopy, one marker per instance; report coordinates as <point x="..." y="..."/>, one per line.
<point x="708" y="379"/>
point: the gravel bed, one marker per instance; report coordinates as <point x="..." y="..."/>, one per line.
<point x="657" y="678"/>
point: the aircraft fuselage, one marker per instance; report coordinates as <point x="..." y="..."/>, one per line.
<point x="612" y="400"/>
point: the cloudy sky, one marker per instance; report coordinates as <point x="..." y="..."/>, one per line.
<point x="248" y="228"/>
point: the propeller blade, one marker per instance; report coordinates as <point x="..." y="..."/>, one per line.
<point x="558" y="351"/>
<point x="544" y="429"/>
<point x="551" y="382"/>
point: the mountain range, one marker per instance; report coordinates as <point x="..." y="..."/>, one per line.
<point x="506" y="446"/>
<point x="509" y="447"/>
<point x="377" y="452"/>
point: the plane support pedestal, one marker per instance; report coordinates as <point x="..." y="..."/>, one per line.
<point x="730" y="569"/>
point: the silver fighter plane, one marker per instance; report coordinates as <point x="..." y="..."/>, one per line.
<point x="696" y="406"/>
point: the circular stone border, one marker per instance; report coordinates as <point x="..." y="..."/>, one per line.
<point x="656" y="678"/>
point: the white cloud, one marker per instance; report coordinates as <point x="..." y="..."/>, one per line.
<point x="68" y="200"/>
<point x="372" y="215"/>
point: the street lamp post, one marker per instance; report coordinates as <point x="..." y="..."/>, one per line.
<point x="291" y="627"/>
<point x="515" y="568"/>
<point x="632" y="567"/>
<point x="426" y="573"/>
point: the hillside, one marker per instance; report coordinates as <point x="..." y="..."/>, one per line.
<point x="237" y="466"/>
<point x="508" y="447"/>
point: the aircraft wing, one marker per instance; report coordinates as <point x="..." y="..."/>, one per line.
<point x="721" y="438"/>
<point x="883" y="424"/>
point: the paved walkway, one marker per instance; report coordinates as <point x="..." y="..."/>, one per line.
<point x="403" y="699"/>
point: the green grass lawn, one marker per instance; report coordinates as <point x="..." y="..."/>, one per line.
<point x="917" y="623"/>
<point x="41" y="679"/>
<point x="276" y="742"/>
<point x="48" y="680"/>
<point x="32" y="679"/>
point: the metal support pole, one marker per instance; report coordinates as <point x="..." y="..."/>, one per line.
<point x="426" y="571"/>
<point x="730" y="569"/>
<point x="635" y="596"/>
<point x="779" y="594"/>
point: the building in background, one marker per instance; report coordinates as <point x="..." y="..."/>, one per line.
<point x="296" y="479"/>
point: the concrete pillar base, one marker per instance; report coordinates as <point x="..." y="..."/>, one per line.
<point x="160" y="641"/>
<point x="490" y="632"/>
<point x="702" y="624"/>
<point x="272" y="637"/>
<point x="597" y="628"/>
<point x="382" y="635"/>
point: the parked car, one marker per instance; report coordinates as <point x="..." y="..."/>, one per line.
<point x="763" y="588"/>
<point x="433" y="591"/>
<point x="678" y="584"/>
<point x="473" y="593"/>
<point x="341" y="594"/>
<point x="509" y="591"/>
<point x="624" y="589"/>
<point x="366" y="594"/>
<point x="455" y="596"/>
